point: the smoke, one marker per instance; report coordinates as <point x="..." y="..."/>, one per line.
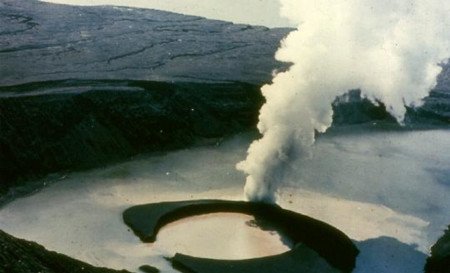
<point x="390" y="49"/>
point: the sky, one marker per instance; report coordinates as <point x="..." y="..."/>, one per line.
<point x="254" y="12"/>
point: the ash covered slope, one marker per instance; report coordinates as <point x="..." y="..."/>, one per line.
<point x="140" y="80"/>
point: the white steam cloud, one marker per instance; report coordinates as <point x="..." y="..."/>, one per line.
<point x="390" y="49"/>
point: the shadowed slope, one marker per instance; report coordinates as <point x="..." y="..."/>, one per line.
<point x="20" y="256"/>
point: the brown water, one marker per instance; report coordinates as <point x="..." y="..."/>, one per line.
<point x="230" y="236"/>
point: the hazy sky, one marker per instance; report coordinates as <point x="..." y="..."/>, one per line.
<point x="255" y="12"/>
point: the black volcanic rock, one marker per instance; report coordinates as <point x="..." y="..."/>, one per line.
<point x="352" y="108"/>
<point x="149" y="269"/>
<point x="68" y="125"/>
<point x="20" y="256"/>
<point x="319" y="247"/>
<point x="439" y="262"/>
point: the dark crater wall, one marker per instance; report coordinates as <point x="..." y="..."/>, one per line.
<point x="439" y="261"/>
<point x="80" y="124"/>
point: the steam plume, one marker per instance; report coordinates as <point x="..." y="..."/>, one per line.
<point x="387" y="48"/>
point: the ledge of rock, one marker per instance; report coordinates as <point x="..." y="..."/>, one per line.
<point x="78" y="124"/>
<point x="319" y="247"/>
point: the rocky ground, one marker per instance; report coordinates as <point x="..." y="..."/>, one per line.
<point x="44" y="42"/>
<point x="20" y="256"/>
